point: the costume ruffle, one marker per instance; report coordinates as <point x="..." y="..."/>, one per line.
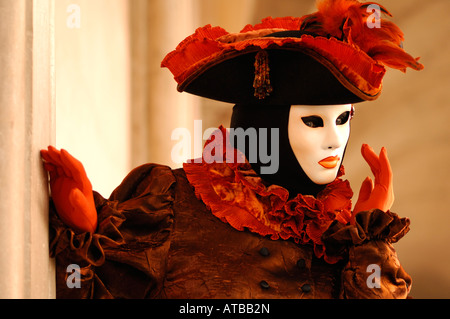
<point x="133" y="227"/>
<point x="237" y="195"/>
<point x="368" y="245"/>
<point x="369" y="226"/>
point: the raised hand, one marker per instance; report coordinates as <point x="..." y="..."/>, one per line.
<point x="381" y="194"/>
<point x="71" y="190"/>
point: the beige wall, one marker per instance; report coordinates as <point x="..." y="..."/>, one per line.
<point x="163" y="110"/>
<point x="92" y="66"/>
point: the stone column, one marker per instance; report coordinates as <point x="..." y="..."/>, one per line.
<point x="26" y="126"/>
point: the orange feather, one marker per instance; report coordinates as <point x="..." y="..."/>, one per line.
<point x="348" y="20"/>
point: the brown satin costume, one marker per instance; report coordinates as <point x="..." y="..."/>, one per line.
<point x="156" y="237"/>
<point x="157" y="240"/>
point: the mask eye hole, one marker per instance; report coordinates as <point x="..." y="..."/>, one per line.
<point x="343" y="118"/>
<point x="313" y="121"/>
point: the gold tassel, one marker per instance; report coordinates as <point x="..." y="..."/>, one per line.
<point x="261" y="83"/>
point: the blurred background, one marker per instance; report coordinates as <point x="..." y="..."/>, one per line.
<point x="116" y="108"/>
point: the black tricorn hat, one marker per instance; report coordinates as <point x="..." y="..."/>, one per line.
<point x="333" y="56"/>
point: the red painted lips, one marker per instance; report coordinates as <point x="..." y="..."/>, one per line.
<point x="330" y="162"/>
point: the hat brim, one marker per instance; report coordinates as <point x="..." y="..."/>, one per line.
<point x="304" y="70"/>
<point x="299" y="76"/>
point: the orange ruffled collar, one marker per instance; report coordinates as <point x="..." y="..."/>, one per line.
<point x="238" y="196"/>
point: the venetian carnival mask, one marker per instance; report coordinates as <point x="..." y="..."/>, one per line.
<point x="318" y="135"/>
<point x="310" y="140"/>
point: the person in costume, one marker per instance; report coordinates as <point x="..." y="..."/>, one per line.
<point x="223" y="226"/>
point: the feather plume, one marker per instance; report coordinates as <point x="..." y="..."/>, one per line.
<point x="350" y="20"/>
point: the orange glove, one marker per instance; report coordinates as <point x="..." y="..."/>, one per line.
<point x="71" y="190"/>
<point x="380" y="195"/>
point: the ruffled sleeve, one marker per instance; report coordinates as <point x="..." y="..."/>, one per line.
<point x="372" y="269"/>
<point x="126" y="256"/>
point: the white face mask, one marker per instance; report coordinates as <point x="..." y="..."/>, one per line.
<point x="318" y="135"/>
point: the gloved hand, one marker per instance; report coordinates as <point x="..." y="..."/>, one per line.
<point x="71" y="190"/>
<point x="381" y="194"/>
